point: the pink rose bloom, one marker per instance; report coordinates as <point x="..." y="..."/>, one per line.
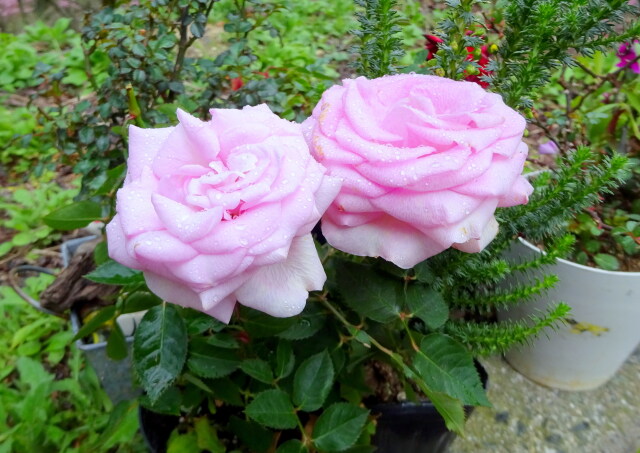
<point x="221" y="211"/>
<point x="424" y="160"/>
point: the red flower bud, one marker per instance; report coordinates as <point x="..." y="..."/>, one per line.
<point x="236" y="83"/>
<point x="432" y="45"/>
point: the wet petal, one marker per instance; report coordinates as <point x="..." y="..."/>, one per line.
<point x="386" y="237"/>
<point x="183" y="222"/>
<point x="282" y="289"/>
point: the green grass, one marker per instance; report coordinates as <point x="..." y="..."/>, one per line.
<point x="50" y="401"/>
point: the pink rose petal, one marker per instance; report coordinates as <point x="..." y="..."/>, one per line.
<point x="282" y="289"/>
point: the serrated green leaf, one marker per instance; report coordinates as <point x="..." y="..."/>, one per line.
<point x="197" y="382"/>
<point x="285" y="359"/>
<point x="313" y="381"/>
<point x="427" y="304"/>
<point x="451" y="410"/>
<point x="159" y="349"/>
<point x="116" y="343"/>
<point x="114" y="273"/>
<point x="273" y="408"/>
<point x="139" y="50"/>
<point x="210" y="361"/>
<point x="370" y="293"/>
<point x="447" y="367"/>
<point x="76" y="215"/>
<point x="292" y="446"/>
<point x="257" y="369"/>
<point x="339" y="427"/>
<point x="101" y="317"/>
<point x="606" y="261"/>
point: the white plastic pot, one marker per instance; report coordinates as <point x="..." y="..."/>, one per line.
<point x="602" y="332"/>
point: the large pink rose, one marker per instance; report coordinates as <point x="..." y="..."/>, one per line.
<point x="221" y="211"/>
<point x="424" y="161"/>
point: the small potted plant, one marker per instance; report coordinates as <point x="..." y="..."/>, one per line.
<point x="600" y="277"/>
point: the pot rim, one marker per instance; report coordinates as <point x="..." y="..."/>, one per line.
<point x="597" y="270"/>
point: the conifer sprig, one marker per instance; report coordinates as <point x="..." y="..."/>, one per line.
<point x="542" y="35"/>
<point x="487" y="339"/>
<point x="380" y="48"/>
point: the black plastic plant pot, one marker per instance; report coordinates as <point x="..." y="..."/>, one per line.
<point x="156" y="429"/>
<point x="410" y="428"/>
<point x="401" y="428"/>
<point x="414" y="427"/>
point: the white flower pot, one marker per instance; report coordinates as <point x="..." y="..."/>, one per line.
<point x="602" y="332"/>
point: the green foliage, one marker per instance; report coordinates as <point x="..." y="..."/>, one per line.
<point x="427" y="304"/>
<point x="488" y="339"/>
<point x="447" y="368"/>
<point x="452" y="59"/>
<point x="380" y="48"/>
<point x="74" y="216"/>
<point x="159" y="349"/>
<point x="369" y="292"/>
<point x="114" y="273"/>
<point x="158" y="60"/>
<point x="543" y="35"/>
<point x="50" y="401"/>
<point x="23" y="208"/>
<point x="21" y="149"/>
<point x="577" y="184"/>
<point x="56" y="47"/>
<point x="273" y="408"/>
<point x="313" y="381"/>
<point x="599" y="107"/>
<point x="339" y="427"/>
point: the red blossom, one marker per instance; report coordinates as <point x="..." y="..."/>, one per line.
<point x="483" y="61"/>
<point x="432" y="45"/>
<point x="236" y="83"/>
